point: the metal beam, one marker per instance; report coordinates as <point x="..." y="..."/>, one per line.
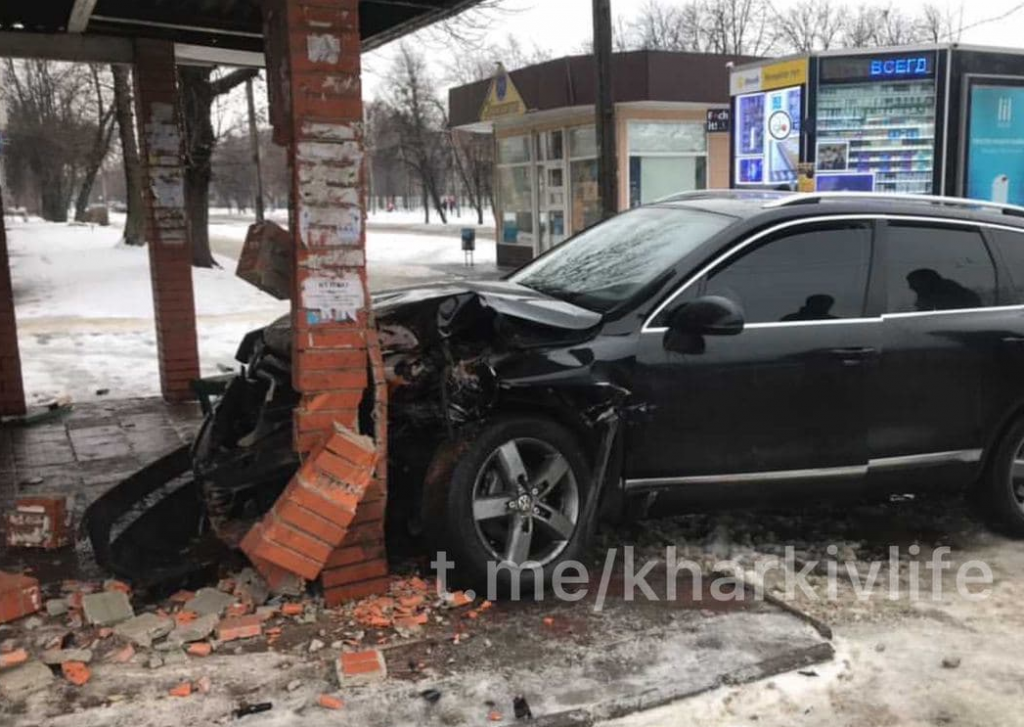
<point x="65" y="47"/>
<point x="188" y="54"/>
<point x="81" y="11"/>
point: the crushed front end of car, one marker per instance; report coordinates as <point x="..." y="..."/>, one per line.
<point x="455" y="355"/>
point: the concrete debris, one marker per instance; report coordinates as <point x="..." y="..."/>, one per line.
<point x="53" y="657"/>
<point x="145" y="629"/>
<point x="210" y="601"/>
<point x="108" y="608"/>
<point x="251" y="588"/>
<point x="56" y="607"/>
<point x="196" y="630"/>
<point x="155" y="661"/>
<point x="293" y="685"/>
<point x="316" y="645"/>
<point x="18" y="683"/>
<point x="177" y="657"/>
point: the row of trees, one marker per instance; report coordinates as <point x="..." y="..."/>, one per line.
<point x="62" y="119"/>
<point x="759" y="28"/>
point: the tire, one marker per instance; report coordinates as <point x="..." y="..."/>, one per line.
<point x="1002" y="492"/>
<point x="468" y="512"/>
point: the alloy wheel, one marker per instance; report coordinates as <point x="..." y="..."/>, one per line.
<point x="526" y="502"/>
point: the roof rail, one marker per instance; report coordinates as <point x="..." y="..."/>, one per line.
<point x="960" y="202"/>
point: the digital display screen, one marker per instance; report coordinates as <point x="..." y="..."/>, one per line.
<point x="767" y="136"/>
<point x="904" y="66"/>
<point x="995" y="143"/>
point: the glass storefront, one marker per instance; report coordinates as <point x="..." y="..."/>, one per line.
<point x="665" y="158"/>
<point x="549" y="185"/>
<point x="515" y="183"/>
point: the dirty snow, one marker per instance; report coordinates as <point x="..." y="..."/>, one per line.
<point x="85" y="309"/>
<point x="888" y="669"/>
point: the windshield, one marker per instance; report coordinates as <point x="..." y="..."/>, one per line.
<point x="607" y="264"/>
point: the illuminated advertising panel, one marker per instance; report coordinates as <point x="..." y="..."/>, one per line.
<point x="995" y="142"/>
<point x="767" y="136"/>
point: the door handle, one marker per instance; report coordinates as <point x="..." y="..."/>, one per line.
<point x="852" y="356"/>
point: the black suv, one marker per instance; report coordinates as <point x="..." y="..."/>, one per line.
<point x="719" y="346"/>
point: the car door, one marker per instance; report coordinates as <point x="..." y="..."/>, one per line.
<point x="784" y="399"/>
<point x="942" y="346"/>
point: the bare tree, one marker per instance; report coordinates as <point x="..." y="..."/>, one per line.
<point x="480" y="63"/>
<point x="100" y="146"/>
<point x="46" y="122"/>
<point x="860" y="28"/>
<point x="941" y="25"/>
<point x="134" y="225"/>
<point x="417" y="119"/>
<point x="473" y="159"/>
<point x="739" y="27"/>
<point x="896" y="27"/>
<point x="199" y="89"/>
<point x="809" y="25"/>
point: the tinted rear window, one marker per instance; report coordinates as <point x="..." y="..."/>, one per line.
<point x="934" y="267"/>
<point x="1011" y="249"/>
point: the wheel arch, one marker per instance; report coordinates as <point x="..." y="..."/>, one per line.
<point x="995" y="437"/>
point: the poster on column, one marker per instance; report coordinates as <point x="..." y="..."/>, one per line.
<point x="995" y="143"/>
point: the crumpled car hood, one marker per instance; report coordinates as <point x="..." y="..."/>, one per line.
<point x="508" y="299"/>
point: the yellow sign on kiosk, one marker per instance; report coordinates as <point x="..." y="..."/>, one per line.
<point x="503" y="99"/>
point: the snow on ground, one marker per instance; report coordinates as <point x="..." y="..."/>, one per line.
<point x="85" y="312"/>
<point x="467" y="217"/>
<point x="85" y="307"/>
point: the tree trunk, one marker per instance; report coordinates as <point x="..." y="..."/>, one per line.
<point x="92" y="168"/>
<point x="53" y="202"/>
<point x="135" y="222"/>
<point x="197" y="94"/>
<point x="197" y="99"/>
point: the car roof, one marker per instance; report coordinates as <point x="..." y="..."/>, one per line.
<point x="746" y="204"/>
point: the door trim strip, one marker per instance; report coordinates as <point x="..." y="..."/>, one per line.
<point x="746" y="477"/>
<point x="816" y="473"/>
<point x="917" y="460"/>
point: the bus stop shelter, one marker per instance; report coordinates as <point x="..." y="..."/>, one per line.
<point x="312" y="51"/>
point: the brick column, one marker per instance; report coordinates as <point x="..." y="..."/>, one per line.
<point x="170" y="254"/>
<point x="12" y="393"/>
<point x="313" y="61"/>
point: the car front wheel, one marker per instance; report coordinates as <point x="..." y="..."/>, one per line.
<point x="513" y="506"/>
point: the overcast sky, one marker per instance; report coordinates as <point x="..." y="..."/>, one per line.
<point x="564" y="25"/>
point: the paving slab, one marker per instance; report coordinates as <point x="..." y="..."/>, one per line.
<point x="107" y="608"/>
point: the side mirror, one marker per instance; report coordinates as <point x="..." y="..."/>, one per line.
<point x="712" y="315"/>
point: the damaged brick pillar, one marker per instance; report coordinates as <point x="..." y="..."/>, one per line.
<point x="12" y="392"/>
<point x="170" y="254"/>
<point x="330" y="519"/>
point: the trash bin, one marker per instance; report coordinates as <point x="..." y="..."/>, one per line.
<point x="468" y="244"/>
